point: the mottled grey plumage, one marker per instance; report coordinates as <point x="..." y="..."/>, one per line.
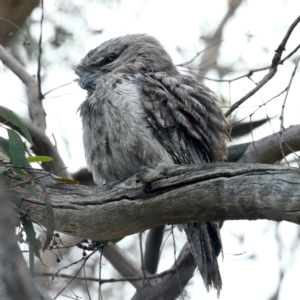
<point x="141" y="111"/>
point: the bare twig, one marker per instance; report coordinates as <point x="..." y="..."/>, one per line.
<point x="282" y="110"/>
<point x="36" y="110"/>
<point x="58" y="87"/>
<point x="198" y="54"/>
<point x="210" y="57"/>
<point x="175" y="263"/>
<point x="248" y="74"/>
<point x="83" y="259"/>
<point x="123" y="264"/>
<point x="86" y="285"/>
<point x="168" y="287"/>
<point x="142" y="261"/>
<point x="103" y="281"/>
<point x="30" y="180"/>
<point x="100" y="275"/>
<point x="268" y="150"/>
<point x="40" y="53"/>
<point x="290" y="54"/>
<point x="272" y="71"/>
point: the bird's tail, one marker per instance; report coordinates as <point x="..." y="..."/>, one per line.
<point x="205" y="244"/>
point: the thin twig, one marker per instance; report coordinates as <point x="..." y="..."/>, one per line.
<point x="250" y="72"/>
<point x="142" y="260"/>
<point x="199" y="53"/>
<point x="272" y="71"/>
<point x="84" y="259"/>
<point x="86" y="285"/>
<point x="290" y="54"/>
<point x="175" y="262"/>
<point x="282" y="110"/>
<point x="40" y="52"/>
<point x="58" y="87"/>
<point x="241" y="120"/>
<point x="36" y="110"/>
<point x="103" y="281"/>
<point x="30" y="180"/>
<point x="100" y="272"/>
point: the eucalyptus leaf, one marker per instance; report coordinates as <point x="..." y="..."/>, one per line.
<point x="33" y="159"/>
<point x="3" y="169"/>
<point x="4" y="145"/>
<point x="13" y="119"/>
<point x="17" y="153"/>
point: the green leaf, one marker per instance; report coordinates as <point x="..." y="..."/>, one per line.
<point x="35" y="243"/>
<point x="66" y="180"/>
<point x="33" y="159"/>
<point x="50" y="216"/>
<point x="13" y="119"/>
<point x="3" y="169"/>
<point x="4" y="145"/>
<point x="107" y="242"/>
<point x="17" y="153"/>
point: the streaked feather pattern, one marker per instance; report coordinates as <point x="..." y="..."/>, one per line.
<point x="141" y="111"/>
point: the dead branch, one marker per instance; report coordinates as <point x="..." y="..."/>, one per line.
<point x="272" y="71"/>
<point x="267" y="150"/>
<point x="169" y="195"/>
<point x="36" y="109"/>
<point x="209" y="58"/>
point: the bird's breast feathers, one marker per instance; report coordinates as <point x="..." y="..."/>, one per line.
<point x="116" y="133"/>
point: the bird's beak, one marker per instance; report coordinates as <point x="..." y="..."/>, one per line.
<point x="87" y="81"/>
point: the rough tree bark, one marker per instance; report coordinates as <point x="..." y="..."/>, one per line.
<point x="169" y="195"/>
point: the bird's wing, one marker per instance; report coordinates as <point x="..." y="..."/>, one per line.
<point x="185" y="117"/>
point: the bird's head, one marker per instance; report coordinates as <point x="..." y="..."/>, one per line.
<point x="137" y="53"/>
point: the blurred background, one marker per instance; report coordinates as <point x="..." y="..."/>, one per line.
<point x="217" y="41"/>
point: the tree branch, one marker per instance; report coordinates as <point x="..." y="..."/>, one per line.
<point x="169" y="195"/>
<point x="35" y="106"/>
<point x="170" y="287"/>
<point x="42" y="146"/>
<point x="152" y="248"/>
<point x="267" y="150"/>
<point x="272" y="70"/>
<point x="209" y="58"/>
<point x="123" y="264"/>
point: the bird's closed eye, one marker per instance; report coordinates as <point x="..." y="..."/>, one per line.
<point x="109" y="59"/>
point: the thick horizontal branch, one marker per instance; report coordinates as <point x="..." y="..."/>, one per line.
<point x="169" y="195"/>
<point x="267" y="150"/>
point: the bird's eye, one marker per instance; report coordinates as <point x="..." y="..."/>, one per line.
<point x="109" y="59"/>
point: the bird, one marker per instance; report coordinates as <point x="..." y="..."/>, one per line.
<point x="141" y="111"/>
